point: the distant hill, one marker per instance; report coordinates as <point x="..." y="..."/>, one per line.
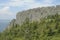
<point x="34" y="24"/>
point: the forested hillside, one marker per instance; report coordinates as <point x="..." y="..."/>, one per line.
<point x="48" y="28"/>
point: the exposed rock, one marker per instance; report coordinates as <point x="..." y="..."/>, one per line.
<point x="37" y="13"/>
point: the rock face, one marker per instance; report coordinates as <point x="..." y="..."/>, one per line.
<point x="37" y="13"/>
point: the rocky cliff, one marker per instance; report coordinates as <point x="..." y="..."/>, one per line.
<point x="36" y="14"/>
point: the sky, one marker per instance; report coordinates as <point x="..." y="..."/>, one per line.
<point x="9" y="8"/>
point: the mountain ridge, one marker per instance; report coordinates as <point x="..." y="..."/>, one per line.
<point x="34" y="24"/>
<point x="37" y="13"/>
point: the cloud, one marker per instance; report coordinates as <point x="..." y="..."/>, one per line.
<point x="5" y="11"/>
<point x="20" y="3"/>
<point x="48" y="1"/>
<point x="29" y="3"/>
<point x="34" y="3"/>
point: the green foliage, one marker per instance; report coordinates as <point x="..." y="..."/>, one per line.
<point x="45" y="29"/>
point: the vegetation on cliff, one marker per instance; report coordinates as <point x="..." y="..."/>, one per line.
<point x="47" y="28"/>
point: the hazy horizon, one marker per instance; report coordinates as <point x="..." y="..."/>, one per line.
<point x="4" y="24"/>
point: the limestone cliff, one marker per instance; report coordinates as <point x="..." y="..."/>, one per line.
<point x="36" y="14"/>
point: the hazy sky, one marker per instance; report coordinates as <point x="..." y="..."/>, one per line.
<point x="9" y="8"/>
